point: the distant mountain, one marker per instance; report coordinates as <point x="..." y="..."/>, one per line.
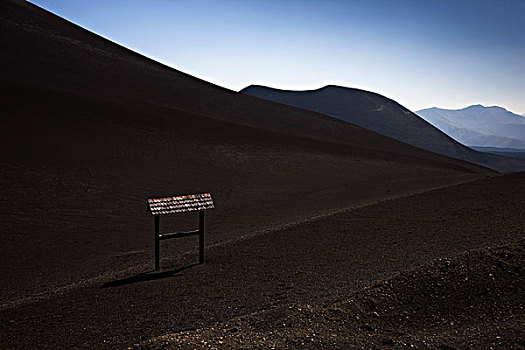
<point x="382" y="115"/>
<point x="479" y="126"/>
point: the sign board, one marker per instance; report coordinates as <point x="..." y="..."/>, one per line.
<point x="180" y="204"/>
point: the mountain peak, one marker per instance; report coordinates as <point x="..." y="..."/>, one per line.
<point x="323" y="88"/>
<point x="478" y="125"/>
<point x="487" y="108"/>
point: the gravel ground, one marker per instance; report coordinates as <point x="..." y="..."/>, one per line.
<point x="472" y="300"/>
<point x="317" y="263"/>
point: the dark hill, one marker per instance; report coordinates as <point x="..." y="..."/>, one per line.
<point x="89" y="130"/>
<point x="385" y="116"/>
<point x="44" y="50"/>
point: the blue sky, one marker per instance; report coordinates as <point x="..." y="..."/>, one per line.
<point x="422" y="53"/>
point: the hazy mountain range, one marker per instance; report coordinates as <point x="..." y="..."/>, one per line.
<point x="479" y="126"/>
<point x="382" y="115"/>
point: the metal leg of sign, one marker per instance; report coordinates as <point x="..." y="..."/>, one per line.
<point x="201" y="237"/>
<point x="157" y="252"/>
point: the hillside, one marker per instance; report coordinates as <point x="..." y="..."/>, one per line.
<point x="43" y="50"/>
<point x="90" y="130"/>
<point x="318" y="262"/>
<point x="385" y="116"/>
<point x="479" y="126"/>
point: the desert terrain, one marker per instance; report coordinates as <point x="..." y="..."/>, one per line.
<point x="453" y="266"/>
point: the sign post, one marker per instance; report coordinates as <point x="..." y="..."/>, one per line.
<point x="179" y="204"/>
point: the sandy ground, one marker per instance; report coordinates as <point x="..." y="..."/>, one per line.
<point x="76" y="174"/>
<point x="321" y="261"/>
<point x="472" y="300"/>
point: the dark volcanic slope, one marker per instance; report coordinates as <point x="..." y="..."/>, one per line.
<point x="385" y="116"/>
<point x="89" y="130"/>
<point x="76" y="173"/>
<point x="44" y="50"/>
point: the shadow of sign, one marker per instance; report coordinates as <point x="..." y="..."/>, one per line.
<point x="151" y="275"/>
